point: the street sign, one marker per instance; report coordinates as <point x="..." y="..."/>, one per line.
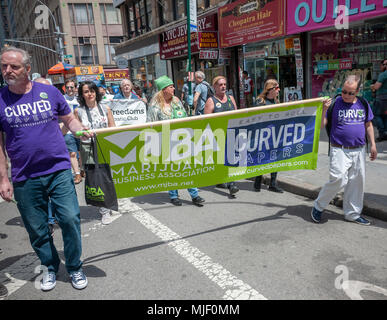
<point x="193" y="16"/>
<point x="122" y="63"/>
<point x="67" y="56"/>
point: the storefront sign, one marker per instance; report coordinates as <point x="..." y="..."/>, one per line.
<point x="335" y="64"/>
<point x="256" y="54"/>
<point x="96" y="78"/>
<point x="317" y="14"/>
<point x="116" y="74"/>
<point x="173" y="42"/>
<point x="224" y="54"/>
<point x="246" y="21"/>
<point x="298" y="57"/>
<point x="208" y="54"/>
<point x="83" y="70"/>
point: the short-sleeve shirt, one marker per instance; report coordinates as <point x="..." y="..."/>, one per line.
<point x="348" y="123"/>
<point x="203" y="90"/>
<point x="176" y="111"/>
<point x="185" y="91"/>
<point x="382" y="78"/>
<point x="34" y="141"/>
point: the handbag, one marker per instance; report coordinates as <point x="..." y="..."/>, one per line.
<point x="99" y="185"/>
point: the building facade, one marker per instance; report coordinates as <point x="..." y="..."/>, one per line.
<point x="90" y="29"/>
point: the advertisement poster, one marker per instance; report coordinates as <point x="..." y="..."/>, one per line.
<point x="211" y="149"/>
<point x="245" y="21"/>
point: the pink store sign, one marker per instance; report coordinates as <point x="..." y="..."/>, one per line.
<point x="305" y="15"/>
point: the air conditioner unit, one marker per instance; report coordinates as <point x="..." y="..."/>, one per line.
<point x="86" y="40"/>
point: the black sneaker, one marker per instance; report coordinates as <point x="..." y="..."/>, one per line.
<point x="233" y="189"/>
<point x="198" y="201"/>
<point x="176" y="202"/>
<point x="276" y="189"/>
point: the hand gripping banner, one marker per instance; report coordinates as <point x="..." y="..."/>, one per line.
<point x="210" y="149"/>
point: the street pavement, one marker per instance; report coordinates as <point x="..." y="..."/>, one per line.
<point x="256" y="246"/>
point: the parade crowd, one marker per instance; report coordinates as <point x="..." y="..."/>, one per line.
<point x="48" y="159"/>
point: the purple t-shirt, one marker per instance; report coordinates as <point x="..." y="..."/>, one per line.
<point x="348" y="123"/>
<point x="34" y="142"/>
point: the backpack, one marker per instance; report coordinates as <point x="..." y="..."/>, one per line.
<point x="210" y="91"/>
<point x="328" y="127"/>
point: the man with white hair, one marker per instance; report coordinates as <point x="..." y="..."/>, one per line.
<point x="350" y="121"/>
<point x="201" y="92"/>
<point x="126" y="90"/>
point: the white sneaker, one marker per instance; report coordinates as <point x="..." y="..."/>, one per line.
<point x="106" y="218"/>
<point x="48" y="282"/>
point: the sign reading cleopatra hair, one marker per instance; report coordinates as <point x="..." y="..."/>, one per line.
<point x="247" y="21"/>
<point x="116" y="74"/>
<point x="213" y="148"/>
<point x="173" y="42"/>
<point x="316" y="14"/>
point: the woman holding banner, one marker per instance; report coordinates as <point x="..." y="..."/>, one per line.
<point x="93" y="115"/>
<point x="269" y="96"/>
<point x="221" y="102"/>
<point x="165" y="106"/>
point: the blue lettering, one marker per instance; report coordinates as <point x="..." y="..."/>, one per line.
<point x="323" y="11"/>
<point x="351" y="12"/>
<point x="307" y="14"/>
<point x="365" y="7"/>
<point x="335" y="4"/>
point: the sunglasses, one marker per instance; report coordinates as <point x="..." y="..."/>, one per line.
<point x="69" y="87"/>
<point x="348" y="92"/>
<point x="276" y="88"/>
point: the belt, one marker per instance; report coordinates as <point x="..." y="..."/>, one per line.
<point x="343" y="147"/>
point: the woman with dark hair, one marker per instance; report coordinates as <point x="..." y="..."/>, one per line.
<point x="95" y="116"/>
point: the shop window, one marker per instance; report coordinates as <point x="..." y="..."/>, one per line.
<point x="336" y="54"/>
<point x="81" y="13"/>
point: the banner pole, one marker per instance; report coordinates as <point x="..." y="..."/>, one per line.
<point x="189" y="55"/>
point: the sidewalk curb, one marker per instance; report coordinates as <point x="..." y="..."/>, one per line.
<point x="310" y="191"/>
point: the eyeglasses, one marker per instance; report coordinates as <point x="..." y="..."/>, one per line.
<point x="348" y="92"/>
<point x="276" y="88"/>
<point x="69" y="87"/>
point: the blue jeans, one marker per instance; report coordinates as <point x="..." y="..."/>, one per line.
<point x="51" y="219"/>
<point x="193" y="192"/>
<point x="32" y="196"/>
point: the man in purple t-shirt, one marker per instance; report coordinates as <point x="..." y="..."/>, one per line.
<point x="350" y="125"/>
<point x="41" y="169"/>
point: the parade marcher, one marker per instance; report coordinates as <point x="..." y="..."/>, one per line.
<point x="221" y="101"/>
<point x="248" y="89"/>
<point x="41" y="168"/>
<point x="95" y="116"/>
<point x="137" y="89"/>
<point x="201" y="92"/>
<point x="269" y="96"/>
<point x="104" y="93"/>
<point x="381" y="101"/>
<point x="72" y="143"/>
<point x="165" y="106"/>
<point x="350" y="123"/>
<point x="126" y="90"/>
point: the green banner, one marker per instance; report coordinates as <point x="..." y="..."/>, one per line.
<point x="207" y="150"/>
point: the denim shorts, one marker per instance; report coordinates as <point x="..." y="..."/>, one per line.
<point x="72" y="143"/>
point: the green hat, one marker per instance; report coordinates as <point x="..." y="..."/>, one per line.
<point x="163" y="82"/>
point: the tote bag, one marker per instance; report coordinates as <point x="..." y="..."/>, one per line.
<point x="99" y="185"/>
